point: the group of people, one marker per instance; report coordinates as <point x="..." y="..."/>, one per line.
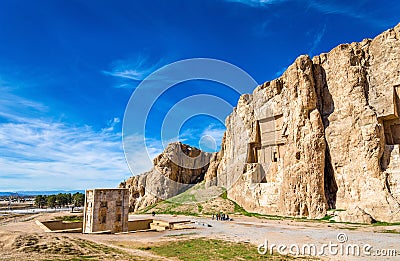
<point x="221" y="216"/>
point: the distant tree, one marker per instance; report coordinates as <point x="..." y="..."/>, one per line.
<point x="51" y="201"/>
<point x="69" y="198"/>
<point x="78" y="199"/>
<point x="61" y="199"/>
<point x="40" y="201"/>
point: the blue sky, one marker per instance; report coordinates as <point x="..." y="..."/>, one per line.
<point x="68" y="69"/>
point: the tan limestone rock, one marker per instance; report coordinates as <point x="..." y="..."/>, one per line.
<point x="325" y="135"/>
<point x="175" y="170"/>
<point x="353" y="215"/>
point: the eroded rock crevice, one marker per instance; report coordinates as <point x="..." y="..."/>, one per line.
<point x="330" y="184"/>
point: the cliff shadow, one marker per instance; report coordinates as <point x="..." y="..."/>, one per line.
<point x="326" y="107"/>
<point x="330" y="185"/>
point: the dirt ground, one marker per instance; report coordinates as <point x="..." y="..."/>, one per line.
<point x="22" y="239"/>
<point x="23" y="205"/>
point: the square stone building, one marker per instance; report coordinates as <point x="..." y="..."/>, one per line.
<point x="106" y="210"/>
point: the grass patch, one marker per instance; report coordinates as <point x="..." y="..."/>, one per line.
<point x="327" y="217"/>
<point x="182" y="234"/>
<point x="351" y="228"/>
<point x="334" y="209"/>
<point x="190" y="202"/>
<point x="224" y="195"/>
<point x="148" y="208"/>
<point x="188" y="196"/>
<point x="380" y="223"/>
<point x="84" y="258"/>
<point x="145" y="248"/>
<point x="184" y="197"/>
<point x="211" y="249"/>
<point x="242" y="211"/>
<point x="391" y="231"/>
<point x="171" y="208"/>
<point x="173" y="212"/>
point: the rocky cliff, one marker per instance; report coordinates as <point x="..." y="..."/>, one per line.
<point x="324" y="135"/>
<point x="175" y="170"/>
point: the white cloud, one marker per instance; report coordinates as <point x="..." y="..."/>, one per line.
<point x="317" y="40"/>
<point x="112" y="123"/>
<point x="214" y="131"/>
<point x="57" y="156"/>
<point x="140" y="152"/>
<point x="280" y="72"/>
<point x="208" y="139"/>
<point x="38" y="153"/>
<point x="12" y="103"/>
<point x="131" y="71"/>
<point x="354" y="9"/>
<point x="257" y="3"/>
<point x="327" y="7"/>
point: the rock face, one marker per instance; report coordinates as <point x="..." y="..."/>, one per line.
<point x="353" y="215"/>
<point x="274" y="147"/>
<point x="325" y="135"/>
<point x="175" y="170"/>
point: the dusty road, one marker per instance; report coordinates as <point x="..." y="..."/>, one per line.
<point x="295" y="235"/>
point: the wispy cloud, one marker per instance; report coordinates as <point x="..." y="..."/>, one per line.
<point x="58" y="156"/>
<point x="111" y="124"/>
<point x="130" y="72"/>
<point x="317" y="40"/>
<point x="11" y="103"/>
<point x="354" y="9"/>
<point x="280" y="72"/>
<point x="333" y="7"/>
<point x="214" y="131"/>
<point x="257" y="3"/>
<point x="140" y="152"/>
<point x="326" y="7"/>
<point x="38" y="153"/>
<point x="208" y="138"/>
